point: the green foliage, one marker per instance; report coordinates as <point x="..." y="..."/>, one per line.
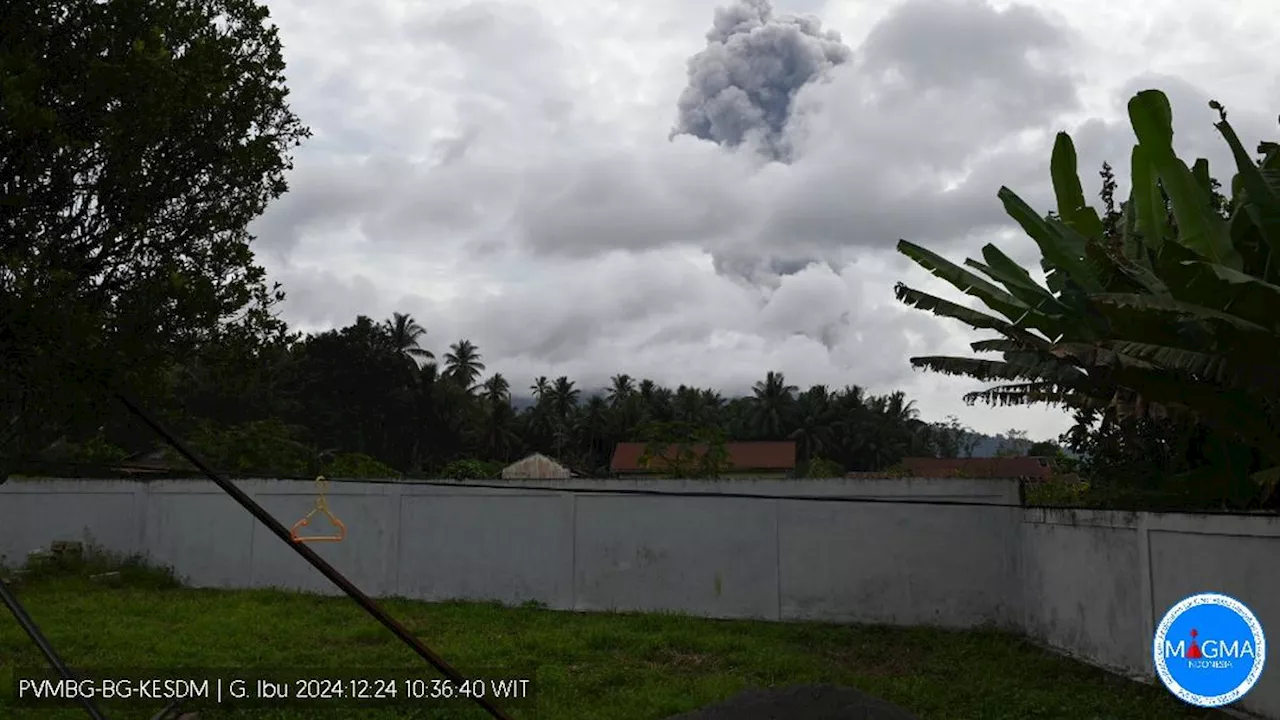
<point x="682" y="450"/>
<point x="469" y="470"/>
<point x="88" y="560"/>
<point x="261" y="447"/>
<point x="1164" y="311"/>
<point x="822" y="468"/>
<point x="1058" y="491"/>
<point x="139" y="140"/>
<point x="585" y="665"/>
<point x="951" y="439"/>
<point x="1013" y="443"/>
<point x="1044" y="448"/>
<point x="357" y="465"/>
<point x="94" y="451"/>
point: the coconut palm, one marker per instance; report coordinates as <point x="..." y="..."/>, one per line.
<point x="406" y="336"/>
<point x="771" y="405"/>
<point x="462" y="363"/>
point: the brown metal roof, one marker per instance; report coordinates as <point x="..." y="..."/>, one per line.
<point x="743" y="456"/>
<point x="995" y="467"/>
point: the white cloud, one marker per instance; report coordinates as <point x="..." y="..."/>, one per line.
<point x="502" y="171"/>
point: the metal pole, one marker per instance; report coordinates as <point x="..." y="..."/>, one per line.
<point x="33" y="631"/>
<point x="319" y="563"/>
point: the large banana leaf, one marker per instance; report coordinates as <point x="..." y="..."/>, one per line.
<point x="1048" y="370"/>
<point x="1072" y="208"/>
<point x="1262" y="202"/>
<point x="969" y="316"/>
<point x="1147" y="204"/>
<point x="1000" y="345"/>
<point x="1199" y="227"/>
<point x="1210" y="367"/>
<point x="1031" y="393"/>
<point x="1063" y="247"/>
<point x="1166" y="320"/>
<point x="1236" y="293"/>
<point x="1177" y="312"/>
<point x="995" y="298"/>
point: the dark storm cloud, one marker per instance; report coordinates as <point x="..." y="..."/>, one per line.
<point x="741" y="86"/>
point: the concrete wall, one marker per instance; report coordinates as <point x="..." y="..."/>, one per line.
<point x="1095" y="584"/>
<point x="1092" y="584"/>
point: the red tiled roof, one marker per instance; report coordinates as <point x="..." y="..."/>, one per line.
<point x="996" y="467"/>
<point x="742" y="456"/>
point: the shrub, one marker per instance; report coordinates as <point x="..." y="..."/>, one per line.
<point x="357" y="465"/>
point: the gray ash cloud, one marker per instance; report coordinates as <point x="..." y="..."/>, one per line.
<point x="741" y="86"/>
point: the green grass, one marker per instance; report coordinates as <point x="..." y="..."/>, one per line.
<point x="585" y="666"/>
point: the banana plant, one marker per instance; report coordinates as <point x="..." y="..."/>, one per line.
<point x="1177" y="312"/>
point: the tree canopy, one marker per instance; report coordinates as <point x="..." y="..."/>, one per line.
<point x="139" y="138"/>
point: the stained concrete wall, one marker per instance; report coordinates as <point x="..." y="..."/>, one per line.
<point x="1092" y="584"/>
<point x="1095" y="584"/>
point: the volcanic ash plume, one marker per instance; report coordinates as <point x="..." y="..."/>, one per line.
<point x="742" y="85"/>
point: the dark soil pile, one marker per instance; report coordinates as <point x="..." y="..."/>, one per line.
<point x="801" y="702"/>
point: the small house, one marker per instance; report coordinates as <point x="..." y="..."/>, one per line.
<point x="536" y="467"/>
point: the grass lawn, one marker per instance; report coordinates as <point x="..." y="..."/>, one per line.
<point x="585" y="666"/>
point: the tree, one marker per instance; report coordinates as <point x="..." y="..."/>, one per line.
<point x="1044" y="448"/>
<point x="681" y="450"/>
<point x="462" y="364"/>
<point x="349" y="399"/>
<point x="1171" y="316"/>
<point x="499" y="438"/>
<point x="772" y="404"/>
<point x="815" y="422"/>
<point x="1013" y="443"/>
<point x="137" y="142"/>
<point x="621" y="387"/>
<point x="406" y="336"/>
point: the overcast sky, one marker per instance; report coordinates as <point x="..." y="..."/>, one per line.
<point x="699" y="192"/>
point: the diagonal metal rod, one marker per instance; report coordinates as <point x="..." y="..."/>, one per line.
<point x="319" y="563"/>
<point x="37" y="637"/>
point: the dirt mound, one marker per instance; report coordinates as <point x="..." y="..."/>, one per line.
<point x="801" y="702"/>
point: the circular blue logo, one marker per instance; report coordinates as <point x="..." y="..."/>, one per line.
<point x="1209" y="650"/>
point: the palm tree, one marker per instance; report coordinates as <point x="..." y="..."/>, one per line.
<point x="462" y="363"/>
<point x="497" y="389"/>
<point x="406" y="335"/>
<point x="688" y="406"/>
<point x="499" y="417"/>
<point x="564" y="398"/>
<point x="899" y="408"/>
<point x="771" y="405"/>
<point x="621" y="388"/>
<point x="815" y="422"/>
<point x="541" y="387"/>
<point x="593" y="430"/>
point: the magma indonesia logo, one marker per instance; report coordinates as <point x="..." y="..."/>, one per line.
<point x="1209" y="650"/>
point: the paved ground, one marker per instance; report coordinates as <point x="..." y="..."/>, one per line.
<point x="810" y="702"/>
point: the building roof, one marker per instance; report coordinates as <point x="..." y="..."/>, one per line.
<point x="537" y="465"/>
<point x="743" y="456"/>
<point x="995" y="467"/>
<point x="150" y="462"/>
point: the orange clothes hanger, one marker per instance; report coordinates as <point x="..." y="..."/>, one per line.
<point x="322" y="506"/>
